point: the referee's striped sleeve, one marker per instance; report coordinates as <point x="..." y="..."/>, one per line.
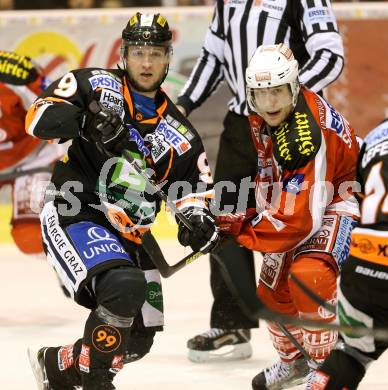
<point x="323" y="43"/>
<point x="208" y="71"/>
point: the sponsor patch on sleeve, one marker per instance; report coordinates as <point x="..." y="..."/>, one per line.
<point x="106" y="81"/>
<point x="293" y="183"/>
<point x="173" y="137"/>
<point x="320" y="15"/>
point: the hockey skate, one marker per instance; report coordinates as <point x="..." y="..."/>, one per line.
<point x="37" y="365"/>
<point x="225" y="344"/>
<point x="282" y="375"/>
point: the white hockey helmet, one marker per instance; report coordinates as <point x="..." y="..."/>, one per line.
<point x="271" y="66"/>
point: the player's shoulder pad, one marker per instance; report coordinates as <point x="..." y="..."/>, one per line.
<point x="297" y="141"/>
<point x="16" y="69"/>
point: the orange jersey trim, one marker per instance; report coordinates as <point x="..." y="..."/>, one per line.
<point x="34" y="109"/>
<point x="373" y="249"/>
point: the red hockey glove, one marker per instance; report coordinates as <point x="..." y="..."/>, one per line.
<point x="230" y="224"/>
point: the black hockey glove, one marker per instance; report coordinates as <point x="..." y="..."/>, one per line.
<point x="204" y="237"/>
<point x="107" y="129"/>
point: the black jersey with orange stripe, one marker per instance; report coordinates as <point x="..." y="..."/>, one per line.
<point x="372" y="174"/>
<point x="94" y="186"/>
<point x="370" y="237"/>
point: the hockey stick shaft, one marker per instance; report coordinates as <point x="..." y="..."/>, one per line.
<point x="255" y="309"/>
<point x="19" y="172"/>
<point x="155" y="188"/>
<point x="312" y="295"/>
<point x="166" y="270"/>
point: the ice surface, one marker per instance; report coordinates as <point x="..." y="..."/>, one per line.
<point x="34" y="312"/>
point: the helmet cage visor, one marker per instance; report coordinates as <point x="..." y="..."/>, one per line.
<point x="141" y="54"/>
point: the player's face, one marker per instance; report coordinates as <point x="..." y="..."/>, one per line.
<point x="274" y="104"/>
<point x="146" y="66"/>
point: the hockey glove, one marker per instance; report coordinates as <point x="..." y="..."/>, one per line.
<point x="107" y="129"/>
<point x="204" y="236"/>
<point x="232" y="224"/>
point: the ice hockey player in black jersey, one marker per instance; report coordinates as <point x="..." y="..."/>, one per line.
<point x="97" y="207"/>
<point x="363" y="288"/>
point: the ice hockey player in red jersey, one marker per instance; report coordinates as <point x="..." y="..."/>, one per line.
<point x="305" y="212"/>
<point x="20" y="83"/>
<point x="97" y="207"/>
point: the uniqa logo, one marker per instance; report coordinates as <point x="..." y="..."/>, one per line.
<point x="97" y="236"/>
<point x="102" y="249"/>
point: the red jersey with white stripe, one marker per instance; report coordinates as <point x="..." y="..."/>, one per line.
<point x="306" y="169"/>
<point x="20" y="82"/>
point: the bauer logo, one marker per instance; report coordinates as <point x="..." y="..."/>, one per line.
<point x="96" y="244"/>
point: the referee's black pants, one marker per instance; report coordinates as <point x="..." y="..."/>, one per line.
<point x="236" y="159"/>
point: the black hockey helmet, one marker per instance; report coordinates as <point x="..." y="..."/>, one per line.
<point x="147" y="29"/>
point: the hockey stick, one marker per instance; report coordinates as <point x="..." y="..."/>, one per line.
<point x="311" y="294"/>
<point x="165" y="269"/>
<point x="20" y="172"/>
<point x="255" y="309"/>
<point x="152" y="248"/>
<point x="298" y="346"/>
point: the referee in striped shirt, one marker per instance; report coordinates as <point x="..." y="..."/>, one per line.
<point x="238" y="27"/>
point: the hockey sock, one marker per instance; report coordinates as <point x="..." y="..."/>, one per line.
<point x="285" y="348"/>
<point x="101" y="354"/>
